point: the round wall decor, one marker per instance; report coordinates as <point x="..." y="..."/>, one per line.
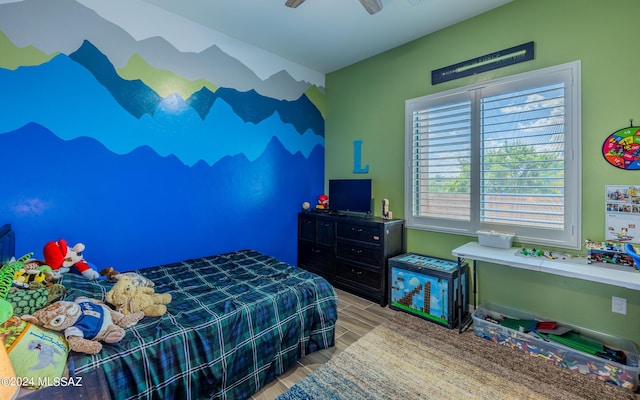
<point x="622" y="148"/>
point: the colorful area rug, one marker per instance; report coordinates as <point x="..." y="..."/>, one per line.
<point x="409" y="358"/>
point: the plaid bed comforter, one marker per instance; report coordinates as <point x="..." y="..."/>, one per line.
<point x="236" y="321"/>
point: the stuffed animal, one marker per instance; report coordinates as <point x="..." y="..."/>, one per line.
<point x="7" y="272"/>
<point x="323" y="202"/>
<point x="59" y="255"/>
<point x="129" y="298"/>
<point x="33" y="272"/>
<point x="85" y="323"/>
<point x="112" y="276"/>
<point x="23" y="278"/>
<point x="110" y="273"/>
<point x="28" y="301"/>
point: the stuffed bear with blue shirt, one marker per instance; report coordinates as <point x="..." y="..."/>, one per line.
<point x="85" y="323"/>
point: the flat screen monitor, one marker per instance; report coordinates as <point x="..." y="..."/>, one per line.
<point x="350" y="195"/>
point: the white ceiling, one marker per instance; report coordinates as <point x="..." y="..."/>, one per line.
<point x="326" y="35"/>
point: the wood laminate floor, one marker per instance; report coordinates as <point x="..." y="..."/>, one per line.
<point x="356" y="317"/>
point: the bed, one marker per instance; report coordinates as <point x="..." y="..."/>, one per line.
<point x="236" y="321"/>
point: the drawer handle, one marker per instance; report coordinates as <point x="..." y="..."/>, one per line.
<point x="356" y="251"/>
<point x="353" y="271"/>
<point x="317" y="251"/>
<point x="356" y="230"/>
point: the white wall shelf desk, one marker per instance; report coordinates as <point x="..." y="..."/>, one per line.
<point x="616" y="275"/>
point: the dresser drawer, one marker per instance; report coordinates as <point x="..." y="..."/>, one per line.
<point x="354" y="274"/>
<point x="366" y="254"/>
<point x="316" y="230"/>
<point x="306" y="227"/>
<point x="363" y="233"/>
<point x="315" y="258"/>
<point x="325" y="232"/>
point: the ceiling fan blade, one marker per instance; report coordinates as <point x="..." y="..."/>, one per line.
<point x="293" y="3"/>
<point x="372" y="6"/>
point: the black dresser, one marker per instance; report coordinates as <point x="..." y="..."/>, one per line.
<point x="350" y="252"/>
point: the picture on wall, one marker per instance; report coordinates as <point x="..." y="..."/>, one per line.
<point x="622" y="213"/>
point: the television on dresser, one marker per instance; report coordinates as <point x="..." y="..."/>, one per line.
<point x="350" y="196"/>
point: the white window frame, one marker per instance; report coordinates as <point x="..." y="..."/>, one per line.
<point x="570" y="235"/>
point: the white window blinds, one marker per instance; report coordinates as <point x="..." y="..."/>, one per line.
<point x="441" y="162"/>
<point x="522" y="158"/>
<point x="498" y="156"/>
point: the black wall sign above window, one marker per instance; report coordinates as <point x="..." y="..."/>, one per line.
<point x="498" y="59"/>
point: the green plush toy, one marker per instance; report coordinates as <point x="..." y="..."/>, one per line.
<point x="7" y="274"/>
<point x="28" y="301"/>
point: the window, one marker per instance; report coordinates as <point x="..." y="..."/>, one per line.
<point x="502" y="155"/>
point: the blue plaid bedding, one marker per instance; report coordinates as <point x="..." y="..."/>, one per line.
<point x="236" y="321"/>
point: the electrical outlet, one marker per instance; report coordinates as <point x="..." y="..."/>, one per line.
<point x="619" y="305"/>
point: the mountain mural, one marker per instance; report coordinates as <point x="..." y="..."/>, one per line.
<point x="145" y="100"/>
<point x="71" y="23"/>
<point x="124" y="115"/>
<point x="163" y="82"/>
<point x="250" y="106"/>
<point x="142" y="176"/>
<point x="141" y="209"/>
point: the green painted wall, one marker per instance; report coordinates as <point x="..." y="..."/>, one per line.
<point x="365" y="102"/>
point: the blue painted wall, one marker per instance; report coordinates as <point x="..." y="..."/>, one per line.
<point x="144" y="179"/>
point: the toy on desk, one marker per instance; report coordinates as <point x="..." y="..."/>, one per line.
<point x="607" y="245"/>
<point x="609" y="252"/>
<point x="386" y="214"/>
<point x="532" y="252"/>
<point x="631" y="252"/>
<point x="553" y="255"/>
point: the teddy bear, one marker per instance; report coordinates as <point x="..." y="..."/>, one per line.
<point x="127" y="298"/>
<point x="85" y="322"/>
<point x="59" y="255"/>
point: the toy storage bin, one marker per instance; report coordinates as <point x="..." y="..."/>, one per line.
<point x="501" y="240"/>
<point x="623" y="375"/>
<point x="427" y="287"/>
